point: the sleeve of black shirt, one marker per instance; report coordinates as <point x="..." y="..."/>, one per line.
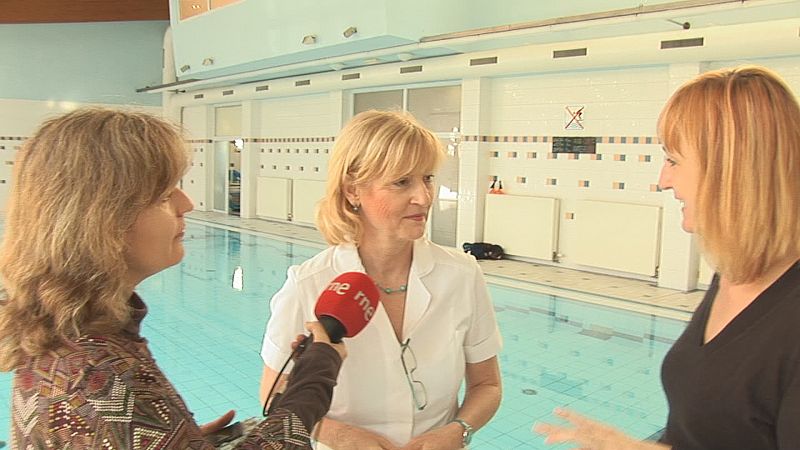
<point x="787" y="430"/>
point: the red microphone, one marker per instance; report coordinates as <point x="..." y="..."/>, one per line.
<point x="346" y="306"/>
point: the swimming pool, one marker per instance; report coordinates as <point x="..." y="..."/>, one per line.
<point x="206" y="336"/>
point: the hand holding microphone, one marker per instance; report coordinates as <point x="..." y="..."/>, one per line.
<point x="318" y="334"/>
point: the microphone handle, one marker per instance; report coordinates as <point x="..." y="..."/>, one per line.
<point x="333" y="327"/>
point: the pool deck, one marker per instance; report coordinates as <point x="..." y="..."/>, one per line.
<point x="638" y="295"/>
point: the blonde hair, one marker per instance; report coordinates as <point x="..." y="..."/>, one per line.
<point x="80" y="182"/>
<point x="374" y="145"/>
<point x="742" y="125"/>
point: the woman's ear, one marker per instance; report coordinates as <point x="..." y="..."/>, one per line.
<point x="350" y="191"/>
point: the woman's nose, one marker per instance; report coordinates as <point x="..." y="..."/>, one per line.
<point x="665" y="178"/>
<point x="422" y="193"/>
<point x="185" y="204"/>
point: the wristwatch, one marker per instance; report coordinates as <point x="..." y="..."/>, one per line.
<point x="466" y="436"/>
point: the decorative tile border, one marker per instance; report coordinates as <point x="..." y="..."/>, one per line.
<point x="290" y="139"/>
<point x="628" y="140"/>
<point x="13" y="138"/>
<point x="199" y="141"/>
<point x="523" y="139"/>
<point x="545" y="139"/>
<point x="621" y="157"/>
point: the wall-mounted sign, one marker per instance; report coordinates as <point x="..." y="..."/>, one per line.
<point x="574" y="144"/>
<point x="573" y="118"/>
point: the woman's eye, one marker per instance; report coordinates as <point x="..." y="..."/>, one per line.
<point x="429" y="178"/>
<point x="670" y="161"/>
<point x="401" y="182"/>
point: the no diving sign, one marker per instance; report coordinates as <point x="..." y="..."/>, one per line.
<point x="573" y="118"/>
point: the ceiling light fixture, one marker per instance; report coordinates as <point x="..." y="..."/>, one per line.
<point x="185" y="67"/>
<point x="349" y="31"/>
<point x="309" y="39"/>
<point x="208" y="62"/>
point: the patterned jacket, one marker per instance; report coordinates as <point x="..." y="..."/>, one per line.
<point x="106" y="392"/>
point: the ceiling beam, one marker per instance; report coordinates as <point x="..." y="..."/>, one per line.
<point x="68" y="11"/>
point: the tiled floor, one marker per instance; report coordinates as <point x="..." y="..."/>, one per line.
<point x="616" y="291"/>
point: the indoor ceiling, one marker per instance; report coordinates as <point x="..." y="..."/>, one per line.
<point x="67" y="11"/>
<point x="691" y="16"/>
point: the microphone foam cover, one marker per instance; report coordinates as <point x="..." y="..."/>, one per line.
<point x="352" y="299"/>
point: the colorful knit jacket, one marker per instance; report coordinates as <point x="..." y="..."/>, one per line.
<point x="106" y="392"/>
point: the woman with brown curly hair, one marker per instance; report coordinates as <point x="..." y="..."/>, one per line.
<point x="94" y="211"/>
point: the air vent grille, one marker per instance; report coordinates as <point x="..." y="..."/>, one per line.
<point x="681" y="43"/>
<point x="411" y="69"/>
<point x="483" y="61"/>
<point x="569" y="53"/>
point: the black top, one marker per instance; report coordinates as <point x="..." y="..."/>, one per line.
<point x="741" y="390"/>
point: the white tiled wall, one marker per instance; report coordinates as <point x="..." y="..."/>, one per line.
<point x="299" y="133"/>
<point x="621" y="108"/>
<point x="287" y="137"/>
<point x="19" y="119"/>
<point x="308" y="115"/>
<point x="617" y="102"/>
<point x="198" y="133"/>
<point x="508" y="120"/>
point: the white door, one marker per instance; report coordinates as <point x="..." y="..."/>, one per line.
<point x="220" y="177"/>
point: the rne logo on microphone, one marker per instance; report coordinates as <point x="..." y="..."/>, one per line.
<point x="365" y="305"/>
<point x="339" y="288"/>
<point x="363" y="301"/>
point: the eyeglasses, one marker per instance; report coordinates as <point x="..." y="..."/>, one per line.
<point x="409" y="366"/>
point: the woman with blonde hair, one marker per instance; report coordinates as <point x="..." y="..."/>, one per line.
<point x="95" y="210"/>
<point x="435" y="326"/>
<point x="732" y="379"/>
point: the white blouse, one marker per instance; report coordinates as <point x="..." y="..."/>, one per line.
<point x="448" y="318"/>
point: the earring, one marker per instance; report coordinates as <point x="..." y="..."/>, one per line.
<point x="356" y="208"/>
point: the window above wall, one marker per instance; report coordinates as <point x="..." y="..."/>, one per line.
<point x="191" y="8"/>
<point x="437" y="107"/>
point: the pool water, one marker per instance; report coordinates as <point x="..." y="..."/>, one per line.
<point x="206" y="336"/>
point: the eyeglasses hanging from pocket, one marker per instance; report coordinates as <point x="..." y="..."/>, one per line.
<point x="409" y="361"/>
